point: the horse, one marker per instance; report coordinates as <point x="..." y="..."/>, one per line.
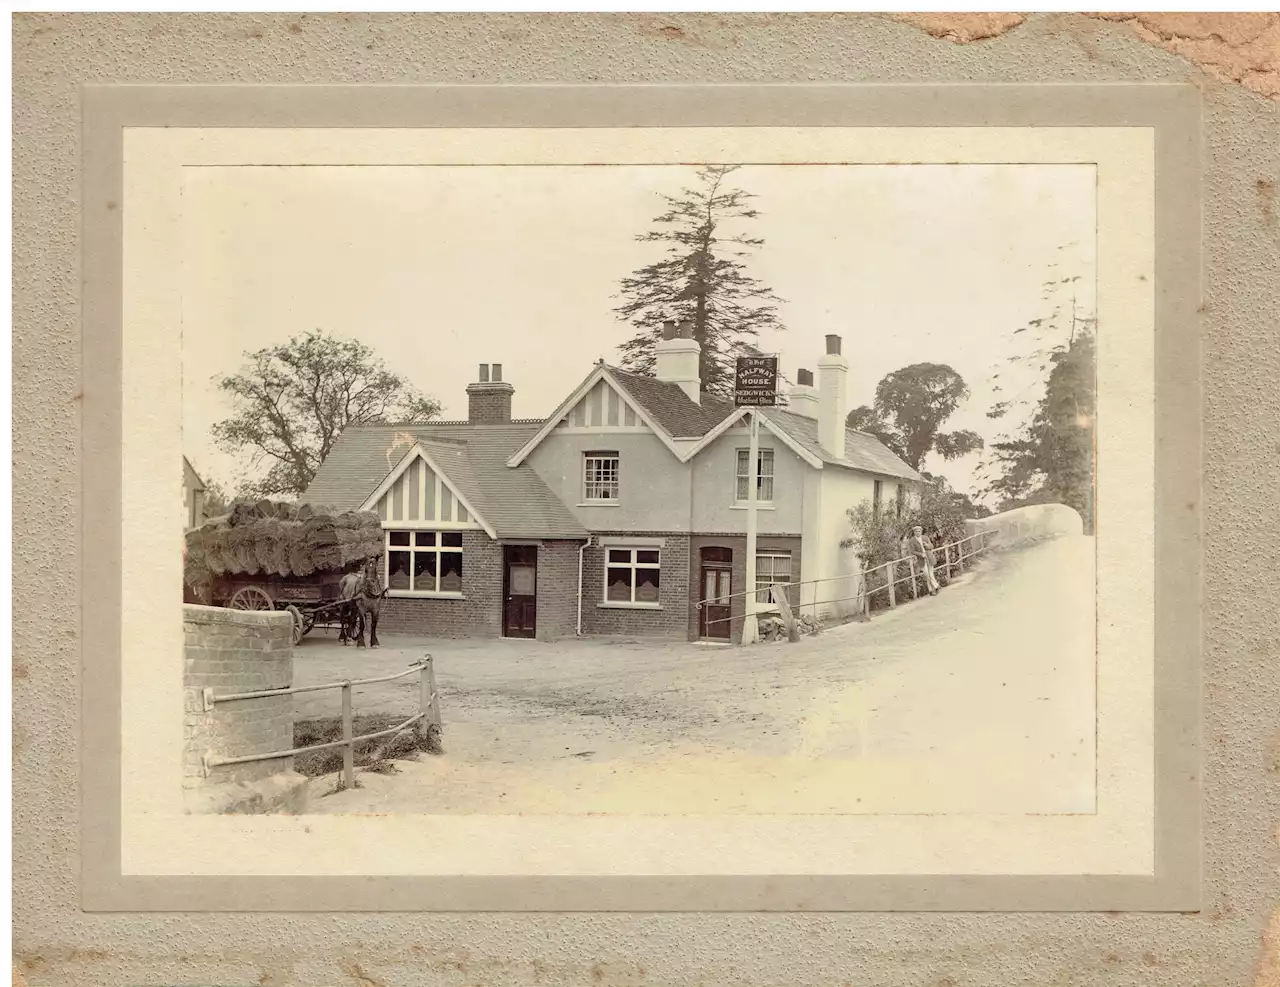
<point x="362" y="593"/>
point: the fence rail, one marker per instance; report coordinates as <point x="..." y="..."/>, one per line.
<point x="864" y="594"/>
<point x="424" y="721"/>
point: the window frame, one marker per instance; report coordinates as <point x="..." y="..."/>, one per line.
<point x="744" y="478"/>
<point x="601" y="456"/>
<point x="413" y="549"/>
<point x="635" y="566"/>
<point x="773" y="553"/>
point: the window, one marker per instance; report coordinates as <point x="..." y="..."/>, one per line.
<point x="632" y="575"/>
<point x="876" y="496"/>
<point x="901" y="500"/>
<point x="764" y="483"/>
<point x="600" y="476"/>
<point x="772" y="568"/>
<point x="424" y="562"/>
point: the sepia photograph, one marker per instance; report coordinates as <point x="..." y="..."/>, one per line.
<point x="705" y="488"/>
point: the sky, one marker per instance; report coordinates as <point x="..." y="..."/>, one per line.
<point x="440" y="269"/>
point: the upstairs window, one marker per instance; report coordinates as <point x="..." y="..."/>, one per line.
<point x="600" y="477"/>
<point x="764" y="483"/>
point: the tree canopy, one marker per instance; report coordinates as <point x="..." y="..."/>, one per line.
<point x="292" y="401"/>
<point x="911" y="406"/>
<point x="702" y="279"/>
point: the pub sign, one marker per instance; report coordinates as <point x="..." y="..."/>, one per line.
<point x="755" y="382"/>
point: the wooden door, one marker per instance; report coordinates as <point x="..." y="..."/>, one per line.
<point x="716" y="592"/>
<point x="520" y="591"/>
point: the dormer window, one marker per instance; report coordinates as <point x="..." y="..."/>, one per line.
<point x="600" y="477"/>
<point x="764" y="483"/>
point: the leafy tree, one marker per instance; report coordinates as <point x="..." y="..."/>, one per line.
<point x="1051" y="460"/>
<point x="702" y="280"/>
<point x="292" y="401"/>
<point x="1048" y="455"/>
<point x="911" y="406"/>
<point x="216" y="499"/>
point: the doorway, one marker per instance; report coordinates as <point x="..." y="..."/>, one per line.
<point x="520" y="590"/>
<point x="717" y="593"/>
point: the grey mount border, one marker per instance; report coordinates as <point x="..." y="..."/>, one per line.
<point x="1172" y="110"/>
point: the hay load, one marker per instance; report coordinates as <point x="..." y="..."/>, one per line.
<point x="280" y="539"/>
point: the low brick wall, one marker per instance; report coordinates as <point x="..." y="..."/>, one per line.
<point x="232" y="651"/>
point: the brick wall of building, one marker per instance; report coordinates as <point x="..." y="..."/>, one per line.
<point x="558" y="589"/>
<point x="236" y="651"/>
<point x="477" y="614"/>
<point x="671" y="621"/>
<point x="738" y="545"/>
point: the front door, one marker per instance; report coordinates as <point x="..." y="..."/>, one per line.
<point x="717" y="593"/>
<point x="520" y="591"/>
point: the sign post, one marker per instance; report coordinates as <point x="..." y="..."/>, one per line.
<point x="755" y="386"/>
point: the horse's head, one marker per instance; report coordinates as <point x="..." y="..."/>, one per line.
<point x="373" y="576"/>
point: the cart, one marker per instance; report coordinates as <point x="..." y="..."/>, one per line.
<point x="312" y="602"/>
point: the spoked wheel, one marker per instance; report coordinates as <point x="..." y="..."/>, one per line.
<point x="251" y="598"/>
<point x="298" y="628"/>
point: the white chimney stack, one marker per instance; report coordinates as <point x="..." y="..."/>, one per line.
<point x="803" y="397"/>
<point x="833" y="382"/>
<point x="678" y="356"/>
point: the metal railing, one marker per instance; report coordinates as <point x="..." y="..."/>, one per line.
<point x="424" y="721"/>
<point x="963" y="555"/>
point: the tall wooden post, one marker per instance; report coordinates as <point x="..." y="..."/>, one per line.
<point x="348" y="749"/>
<point x="750" y="625"/>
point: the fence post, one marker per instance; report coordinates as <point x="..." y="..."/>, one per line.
<point x="915" y="590"/>
<point x="890" y="577"/>
<point x="429" y="727"/>
<point x="349" y="748"/>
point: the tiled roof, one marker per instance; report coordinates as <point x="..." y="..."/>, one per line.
<point x="669" y="406"/>
<point x="675" y="411"/>
<point x="861" y="451"/>
<point x="515" y="502"/>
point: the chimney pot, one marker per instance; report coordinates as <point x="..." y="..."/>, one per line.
<point x="669" y="329"/>
<point x="804" y="377"/>
<point x="484" y="373"/>
<point x="497" y="372"/>
<point x="833" y="345"/>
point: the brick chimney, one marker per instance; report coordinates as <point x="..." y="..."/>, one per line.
<point x="489" y="398"/>
<point x="803" y="397"/>
<point x="677" y="359"/>
<point x="833" y="383"/>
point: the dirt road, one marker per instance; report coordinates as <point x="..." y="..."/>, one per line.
<point x="978" y="700"/>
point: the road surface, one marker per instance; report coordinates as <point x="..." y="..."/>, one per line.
<point x="981" y="699"/>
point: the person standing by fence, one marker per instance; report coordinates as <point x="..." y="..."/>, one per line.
<point x="923" y="553"/>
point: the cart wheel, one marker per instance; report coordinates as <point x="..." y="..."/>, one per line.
<point x="251" y="598"/>
<point x="298" y="631"/>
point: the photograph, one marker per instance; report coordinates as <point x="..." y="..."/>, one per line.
<point x="643" y="489"/>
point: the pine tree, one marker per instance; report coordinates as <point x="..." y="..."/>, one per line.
<point x="701" y="280"/>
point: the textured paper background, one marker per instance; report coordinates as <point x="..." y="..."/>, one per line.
<point x="1223" y="945"/>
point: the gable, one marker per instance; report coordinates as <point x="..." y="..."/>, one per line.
<point x="603" y="406"/>
<point x="417" y="493"/>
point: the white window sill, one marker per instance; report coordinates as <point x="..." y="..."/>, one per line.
<point x="742" y="505"/>
<point x="600" y="503"/>
<point x="622" y="605"/>
<point x="413" y="594"/>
